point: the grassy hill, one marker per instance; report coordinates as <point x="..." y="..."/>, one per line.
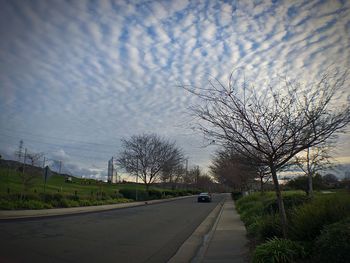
<point x="15" y="194"/>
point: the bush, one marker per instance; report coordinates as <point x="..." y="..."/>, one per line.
<point x="278" y="250"/>
<point x="23" y="204"/>
<point x="154" y="194"/>
<point x="308" y="220"/>
<point x="7" y="204"/>
<point x="73" y="197"/>
<point x="250" y="211"/>
<point x="333" y="245"/>
<point x="131" y="194"/>
<point x="266" y="227"/>
<point x="236" y="195"/>
<point x="290" y="202"/>
<point x="50" y="197"/>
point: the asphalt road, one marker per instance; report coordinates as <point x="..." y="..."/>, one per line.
<point x="151" y="233"/>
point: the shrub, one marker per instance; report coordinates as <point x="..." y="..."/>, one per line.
<point x="23" y="204"/>
<point x="131" y="194"/>
<point x="290" y="202"/>
<point x="250" y="211"/>
<point x="178" y="193"/>
<point x="32" y="197"/>
<point x="236" y="195"/>
<point x="265" y="227"/>
<point x="154" y="194"/>
<point x="170" y="192"/>
<point x="278" y="250"/>
<point x="50" y="197"/>
<point x="308" y="220"/>
<point x="85" y="202"/>
<point x="333" y="245"/>
<point x="73" y="197"/>
<point x="7" y="204"/>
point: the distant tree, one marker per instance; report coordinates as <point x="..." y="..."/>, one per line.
<point x="205" y="182"/>
<point x="330" y="180"/>
<point x="313" y="160"/>
<point x="191" y="177"/>
<point x="301" y="183"/>
<point x="147" y="155"/>
<point x="34" y="157"/>
<point x="232" y="169"/>
<point x="273" y="123"/>
<point x="27" y="175"/>
<point x="173" y="171"/>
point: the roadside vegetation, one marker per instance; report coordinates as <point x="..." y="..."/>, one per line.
<point x="79" y="192"/>
<point x="318" y="229"/>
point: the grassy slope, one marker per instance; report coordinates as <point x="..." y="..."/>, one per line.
<point x="56" y="183"/>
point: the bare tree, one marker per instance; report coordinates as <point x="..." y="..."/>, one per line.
<point x="313" y="160"/>
<point x="205" y="182"/>
<point x="34" y="157"/>
<point x="173" y="173"/>
<point x="191" y="176"/>
<point x="232" y="169"/>
<point x="274" y="124"/>
<point x="147" y="155"/>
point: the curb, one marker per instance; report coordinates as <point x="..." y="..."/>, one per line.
<point x="193" y="244"/>
<point x="22" y="214"/>
<point x="208" y="237"/>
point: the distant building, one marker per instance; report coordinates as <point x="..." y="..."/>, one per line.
<point x="68" y="179"/>
<point x="112" y="172"/>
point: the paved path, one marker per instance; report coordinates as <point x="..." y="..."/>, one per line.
<point x="220" y="238"/>
<point x="228" y="242"/>
<point x="151" y="233"/>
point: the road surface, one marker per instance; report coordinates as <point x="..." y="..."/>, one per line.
<point x="151" y="233"/>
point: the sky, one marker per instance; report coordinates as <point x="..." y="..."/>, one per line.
<point x="78" y="76"/>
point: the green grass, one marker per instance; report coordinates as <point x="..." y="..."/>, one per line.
<point x="79" y="192"/>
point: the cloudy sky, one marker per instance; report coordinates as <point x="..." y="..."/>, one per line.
<point x="77" y="76"/>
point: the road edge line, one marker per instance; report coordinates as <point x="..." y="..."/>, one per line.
<point x="190" y="248"/>
<point x="208" y="237"/>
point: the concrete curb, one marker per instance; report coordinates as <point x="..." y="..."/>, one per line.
<point x="189" y="249"/>
<point x="208" y="237"/>
<point x="21" y="214"/>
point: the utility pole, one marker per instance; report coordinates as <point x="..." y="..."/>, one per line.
<point x="24" y="160"/>
<point x="20" y="150"/>
<point x="23" y="177"/>
<point x="137" y="178"/>
<point x="44" y="162"/>
<point x="186" y="172"/>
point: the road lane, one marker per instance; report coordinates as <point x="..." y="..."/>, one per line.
<point x="150" y="233"/>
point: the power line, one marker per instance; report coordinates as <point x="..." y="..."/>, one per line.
<point x="57" y="138"/>
<point x="58" y="145"/>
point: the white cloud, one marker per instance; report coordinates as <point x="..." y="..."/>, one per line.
<point x="110" y="69"/>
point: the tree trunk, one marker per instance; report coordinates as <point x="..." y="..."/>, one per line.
<point x="261" y="185"/>
<point x="281" y="209"/>
<point x="309" y="174"/>
<point x="310" y="189"/>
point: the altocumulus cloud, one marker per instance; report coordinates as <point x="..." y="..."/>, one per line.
<point x="78" y="73"/>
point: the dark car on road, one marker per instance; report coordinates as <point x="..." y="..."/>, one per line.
<point x="204" y="197"/>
